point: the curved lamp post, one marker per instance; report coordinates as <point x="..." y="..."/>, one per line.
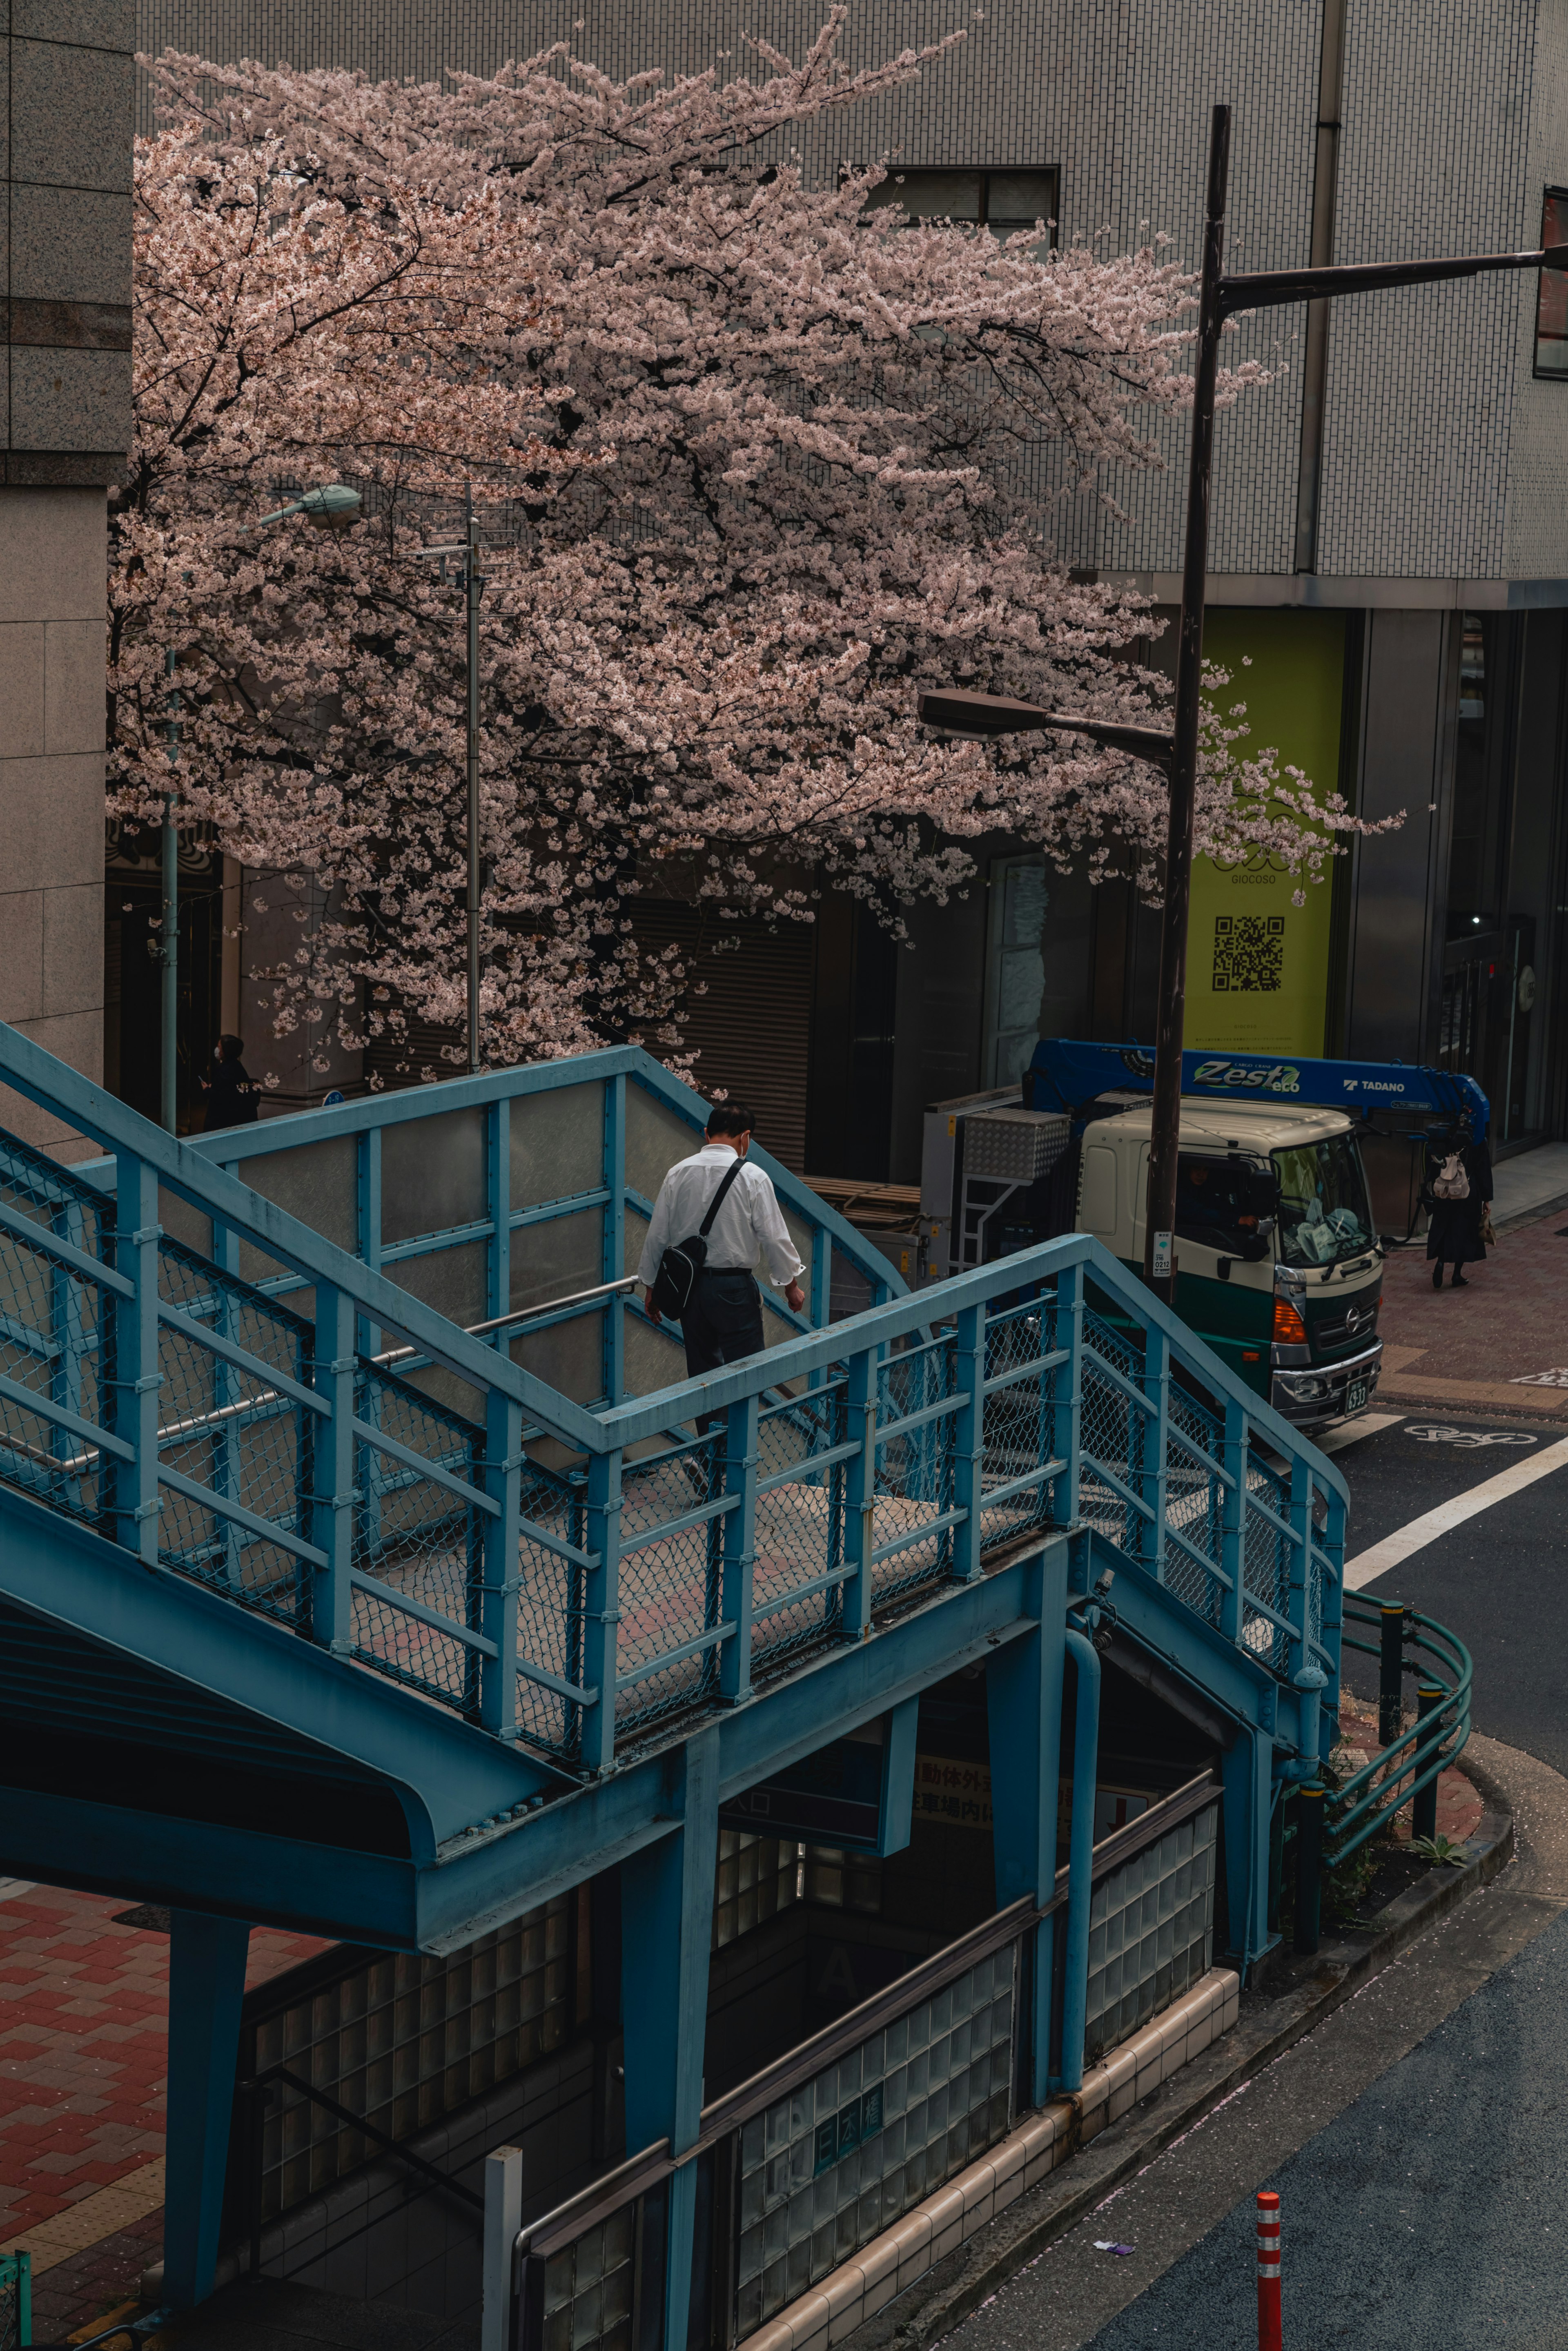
<point x="977" y="713"/>
<point x="332" y="503"/>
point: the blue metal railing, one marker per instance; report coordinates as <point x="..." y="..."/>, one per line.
<point x="1367" y="1801"/>
<point x="581" y="1578"/>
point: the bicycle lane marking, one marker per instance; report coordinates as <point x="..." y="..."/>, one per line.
<point x="1368" y="1566"/>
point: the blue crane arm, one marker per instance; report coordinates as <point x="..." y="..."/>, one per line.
<point x="1065" y="1073"/>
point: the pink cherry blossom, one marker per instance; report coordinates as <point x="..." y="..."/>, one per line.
<point x="756" y="463"/>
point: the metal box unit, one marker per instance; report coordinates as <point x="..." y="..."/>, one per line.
<point x="1014" y="1146"/>
<point x="983" y="1154"/>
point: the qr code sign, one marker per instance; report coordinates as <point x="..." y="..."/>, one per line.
<point x="1248" y="953"/>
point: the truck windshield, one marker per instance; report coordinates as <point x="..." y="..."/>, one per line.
<point x="1323" y="1211"/>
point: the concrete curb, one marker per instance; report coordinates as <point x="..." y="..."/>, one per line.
<point x="947" y="2294"/>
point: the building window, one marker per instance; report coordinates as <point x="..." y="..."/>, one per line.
<point x="839" y="1879"/>
<point x="757" y="1879"/>
<point x="1003" y="202"/>
<point x="1015" y="967"/>
<point x="1551" y="300"/>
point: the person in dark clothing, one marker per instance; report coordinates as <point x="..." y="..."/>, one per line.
<point x="1454" y="1226"/>
<point x="234" y="1098"/>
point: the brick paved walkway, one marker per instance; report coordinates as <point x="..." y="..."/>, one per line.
<point x="1467" y="1349"/>
<point x="83" y="2054"/>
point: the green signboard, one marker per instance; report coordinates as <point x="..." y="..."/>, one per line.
<point x="1258" y="967"/>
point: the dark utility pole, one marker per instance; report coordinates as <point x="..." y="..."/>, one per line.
<point x="976" y="713"/>
<point x="474" y="581"/>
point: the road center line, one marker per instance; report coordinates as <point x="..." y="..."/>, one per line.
<point x="1370" y="1564"/>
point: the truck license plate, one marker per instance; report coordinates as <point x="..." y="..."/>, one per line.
<point x="1355" y="1396"/>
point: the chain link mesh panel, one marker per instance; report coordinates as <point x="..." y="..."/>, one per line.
<point x="1110" y="1437"/>
<point x="913" y="1465"/>
<point x="1020" y="1418"/>
<point x="672" y="1566"/>
<point x="53" y="1327"/>
<point x="418" y="1538"/>
<point x="551" y="1602"/>
<point x="222" y="1428"/>
<point x="1194" y="1503"/>
<point x="799" y="1524"/>
<point x="1266" y="1565"/>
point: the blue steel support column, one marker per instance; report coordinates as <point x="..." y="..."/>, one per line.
<point x="1233" y="1519"/>
<point x="206" y="1986"/>
<point x="968" y="1441"/>
<point x="740" y="1537"/>
<point x="136" y="1376"/>
<point x="1067" y="1391"/>
<point x="601" y="1610"/>
<point x="368" y="1219"/>
<point x="859" y="1493"/>
<point x="666" y="1928"/>
<point x="1334" y="1619"/>
<point x="1023" y="1706"/>
<point x="501" y="1538"/>
<point x="329" y="1459"/>
<point x="613" y="1249"/>
<point x="498" y="1208"/>
<point x="1249" y="1797"/>
<point x="1155" y="1436"/>
<point x="1079" y="1859"/>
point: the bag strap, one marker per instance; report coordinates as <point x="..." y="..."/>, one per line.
<point x="714" y="1205"/>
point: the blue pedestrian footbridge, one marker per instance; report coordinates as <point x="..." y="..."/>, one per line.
<point x="364" y="1572"/>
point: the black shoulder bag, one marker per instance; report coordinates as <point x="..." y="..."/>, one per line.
<point x="683" y="1261"/>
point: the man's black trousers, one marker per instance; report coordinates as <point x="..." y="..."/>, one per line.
<point x="723" y="1321"/>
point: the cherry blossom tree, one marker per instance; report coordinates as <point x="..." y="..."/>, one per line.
<point x="756" y="458"/>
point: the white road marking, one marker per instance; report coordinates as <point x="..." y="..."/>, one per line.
<point x="1351" y="1432"/>
<point x="10" y="1887"/>
<point x="1400" y="1545"/>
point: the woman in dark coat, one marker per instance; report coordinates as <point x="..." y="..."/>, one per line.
<point x="1454" y="1226"/>
<point x="233" y="1097"/>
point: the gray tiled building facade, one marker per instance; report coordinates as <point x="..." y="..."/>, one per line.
<point x="1364" y="128"/>
<point x="65" y="429"/>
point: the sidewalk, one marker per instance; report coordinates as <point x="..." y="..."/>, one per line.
<point x="83" y="2055"/>
<point x="1482" y="1348"/>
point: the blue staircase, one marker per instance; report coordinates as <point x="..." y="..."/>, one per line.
<point x="364" y="1570"/>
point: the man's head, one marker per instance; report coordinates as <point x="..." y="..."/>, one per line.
<point x="731" y="1122"/>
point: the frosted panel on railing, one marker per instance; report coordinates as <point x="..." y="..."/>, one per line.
<point x="800" y="1233"/>
<point x="557" y="1144"/>
<point x="635" y="1240"/>
<point x="182" y="1222"/>
<point x="432" y="1174"/>
<point x="652" y="1359"/>
<point x="553" y="1259"/>
<point x="569" y="1358"/>
<point x="314" y="1181"/>
<point x="453" y="1282"/>
<point x="655" y="1138"/>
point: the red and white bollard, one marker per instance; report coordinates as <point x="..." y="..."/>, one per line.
<point x="1271" y="2332"/>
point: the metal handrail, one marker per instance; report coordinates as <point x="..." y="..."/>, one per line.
<point x="251" y="2091"/>
<point x="1369" y="1800"/>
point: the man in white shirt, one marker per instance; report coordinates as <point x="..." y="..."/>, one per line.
<point x="723" y="1319"/>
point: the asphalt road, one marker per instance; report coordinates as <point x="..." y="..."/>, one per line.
<point x="1499" y="1580"/>
<point x="1418" y="2138"/>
